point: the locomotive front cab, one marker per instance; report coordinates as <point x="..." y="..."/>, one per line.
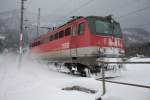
<point x="106" y="35"/>
<point x="104" y="26"/>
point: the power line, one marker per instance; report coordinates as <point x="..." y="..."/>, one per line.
<point x="89" y="1"/>
<point x="122" y="6"/>
<point x="133" y="12"/>
<point x="81" y="6"/>
<point x="143" y="24"/>
<point x="76" y="9"/>
<point x="140" y="25"/>
<point x="62" y="5"/>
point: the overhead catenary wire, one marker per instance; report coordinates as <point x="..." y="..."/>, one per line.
<point x="81" y="6"/>
<point x="62" y="5"/>
<point x="76" y="9"/>
<point x="124" y="5"/>
<point x="120" y="17"/>
<point x="91" y="1"/>
<point x="134" y="12"/>
<point x="143" y="25"/>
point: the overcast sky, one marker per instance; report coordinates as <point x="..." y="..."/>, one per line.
<point x="130" y="13"/>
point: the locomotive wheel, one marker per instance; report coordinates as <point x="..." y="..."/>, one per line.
<point x="87" y="72"/>
<point x="83" y="74"/>
<point x="73" y="69"/>
<point x="81" y="69"/>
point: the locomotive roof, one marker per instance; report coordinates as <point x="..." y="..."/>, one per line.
<point x="74" y="18"/>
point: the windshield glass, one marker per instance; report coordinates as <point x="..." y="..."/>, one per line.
<point x="117" y="29"/>
<point x="104" y="27"/>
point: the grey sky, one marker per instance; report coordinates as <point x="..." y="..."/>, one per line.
<point x="125" y="11"/>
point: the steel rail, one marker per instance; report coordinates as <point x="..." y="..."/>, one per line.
<point x="138" y="62"/>
<point x="124" y="83"/>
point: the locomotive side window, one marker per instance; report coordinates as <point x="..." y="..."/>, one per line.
<point x="67" y="31"/>
<point x="81" y="28"/>
<point x="32" y="45"/>
<point x="74" y="30"/>
<point x="39" y="42"/>
<point x="56" y="36"/>
<point x="51" y="38"/>
<point x="36" y="43"/>
<point x="45" y="40"/>
<point x="61" y="34"/>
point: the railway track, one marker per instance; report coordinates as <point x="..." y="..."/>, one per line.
<point x="123" y="62"/>
<point x="117" y="82"/>
<point x="124" y="83"/>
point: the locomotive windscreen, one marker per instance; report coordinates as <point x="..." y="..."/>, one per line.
<point x="105" y="27"/>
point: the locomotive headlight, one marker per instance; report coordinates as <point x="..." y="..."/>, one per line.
<point x="102" y="50"/>
<point x="121" y="51"/>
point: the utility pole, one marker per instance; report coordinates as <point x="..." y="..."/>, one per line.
<point x="38" y="22"/>
<point x="103" y="78"/>
<point x="26" y="27"/>
<point x="102" y="66"/>
<point x="21" y="33"/>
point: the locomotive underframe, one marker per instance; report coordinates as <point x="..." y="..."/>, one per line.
<point x="85" y="58"/>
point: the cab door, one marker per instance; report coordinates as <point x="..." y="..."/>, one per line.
<point x="74" y="41"/>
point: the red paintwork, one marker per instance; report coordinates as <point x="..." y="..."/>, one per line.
<point x="104" y="41"/>
<point x="85" y="40"/>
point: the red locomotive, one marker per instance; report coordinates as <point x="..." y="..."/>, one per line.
<point x="79" y="42"/>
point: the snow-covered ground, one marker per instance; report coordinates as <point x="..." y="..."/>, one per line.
<point x="34" y="81"/>
<point x="136" y="73"/>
